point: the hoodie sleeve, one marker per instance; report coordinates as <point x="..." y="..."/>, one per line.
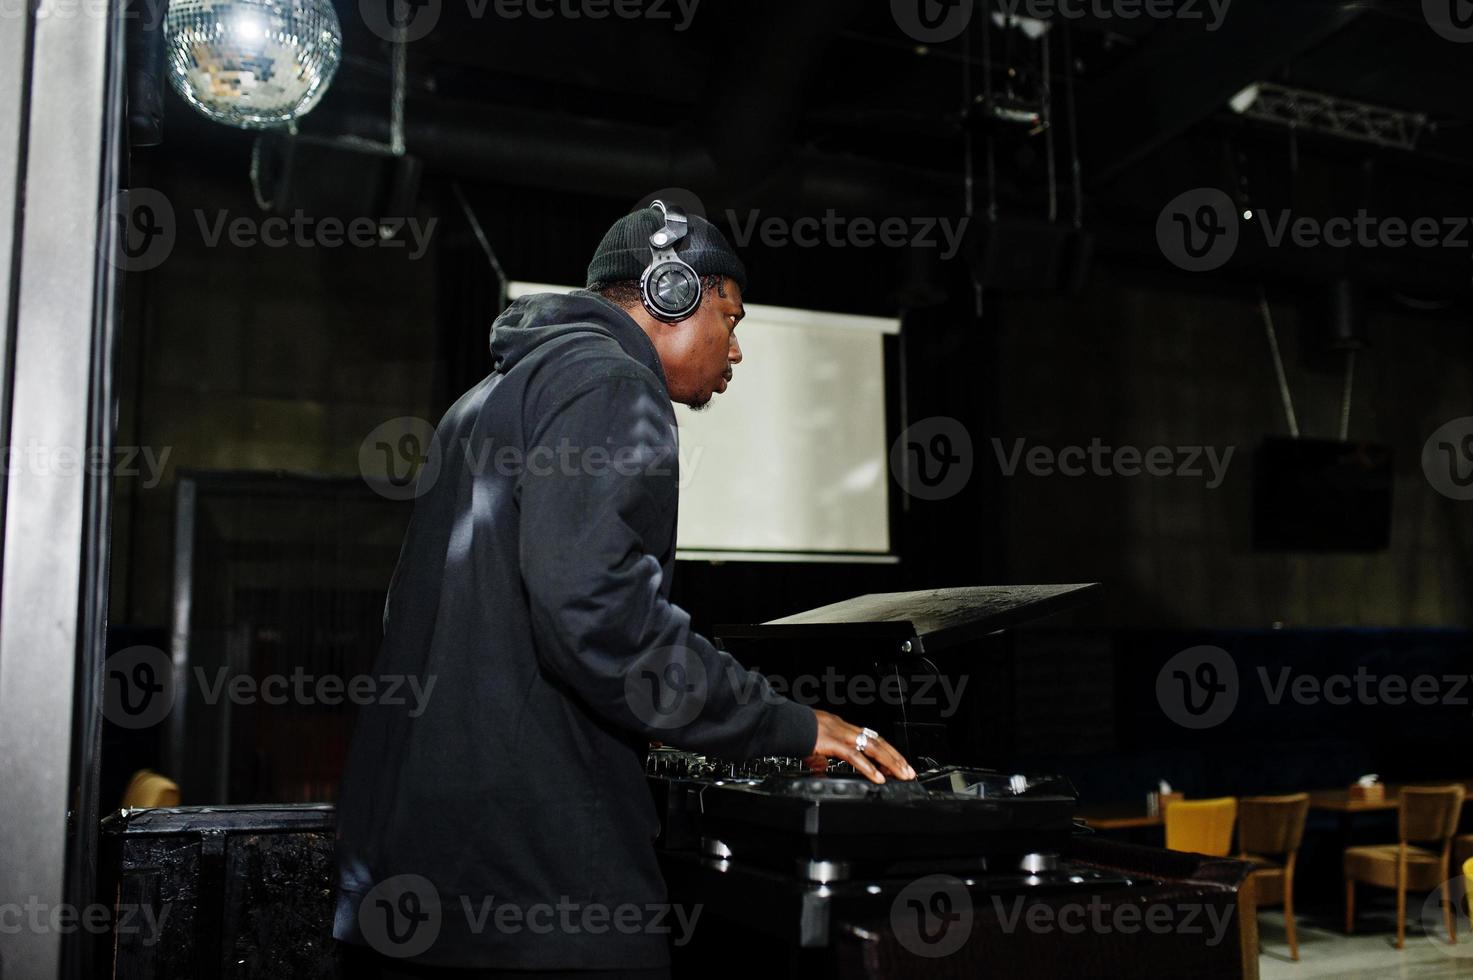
<point x="598" y="496"/>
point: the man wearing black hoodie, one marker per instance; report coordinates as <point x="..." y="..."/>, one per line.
<point x="505" y="825"/>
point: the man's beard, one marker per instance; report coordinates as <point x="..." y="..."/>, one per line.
<point x="699" y="406"/>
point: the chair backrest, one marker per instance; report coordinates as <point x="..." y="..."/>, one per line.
<point x="1430" y="813"/>
<point x="1467" y="882"/>
<point x="149" y="789"/>
<point x="1272" y="825"/>
<point x="1201" y="826"/>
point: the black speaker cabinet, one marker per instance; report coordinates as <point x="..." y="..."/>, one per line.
<point x="216" y="892"/>
<point x="1321" y="495"/>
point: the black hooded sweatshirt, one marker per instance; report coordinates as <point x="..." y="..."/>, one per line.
<point x="533" y="591"/>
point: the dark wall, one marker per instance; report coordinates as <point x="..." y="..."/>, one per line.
<point x="255" y="358"/>
<point x="1142" y="360"/>
<point x="261" y="358"/>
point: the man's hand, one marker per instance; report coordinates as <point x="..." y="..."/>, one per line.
<point x="836" y="739"/>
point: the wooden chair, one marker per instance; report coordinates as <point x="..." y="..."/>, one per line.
<point x="1201" y="826"/>
<point x="1468" y="885"/>
<point x="1428" y="815"/>
<point x="1269" y="831"/>
<point x="1462" y="849"/>
<point x="149" y="789"/>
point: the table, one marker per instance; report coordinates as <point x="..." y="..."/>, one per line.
<point x="1338" y="801"/>
<point x="1120" y="816"/>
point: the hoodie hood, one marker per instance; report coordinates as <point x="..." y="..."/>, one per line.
<point x="533" y="320"/>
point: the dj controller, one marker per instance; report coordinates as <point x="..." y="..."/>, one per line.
<point x="819" y="874"/>
<point x="775" y="814"/>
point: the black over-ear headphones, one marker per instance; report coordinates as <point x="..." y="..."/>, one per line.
<point x="670" y="288"/>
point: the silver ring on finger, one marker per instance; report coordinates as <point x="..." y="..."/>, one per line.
<point x="861" y="741"/>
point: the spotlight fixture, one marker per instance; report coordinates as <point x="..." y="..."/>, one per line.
<point x="252" y="63"/>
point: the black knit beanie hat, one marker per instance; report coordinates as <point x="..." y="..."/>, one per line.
<point x="625" y="251"/>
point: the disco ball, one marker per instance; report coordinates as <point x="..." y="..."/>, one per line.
<point x="252" y="63"/>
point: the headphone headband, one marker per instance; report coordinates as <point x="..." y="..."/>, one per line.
<point x="676" y="226"/>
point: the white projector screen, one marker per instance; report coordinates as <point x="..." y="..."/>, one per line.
<point x="791" y="463"/>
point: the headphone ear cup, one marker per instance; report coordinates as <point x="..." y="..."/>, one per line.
<point x="671" y="290"/>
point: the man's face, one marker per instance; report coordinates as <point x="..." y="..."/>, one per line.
<point x="698" y="352"/>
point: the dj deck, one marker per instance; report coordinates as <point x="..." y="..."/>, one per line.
<point x="965" y="871"/>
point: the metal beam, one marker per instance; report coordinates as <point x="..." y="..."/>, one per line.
<point x="1184" y="72"/>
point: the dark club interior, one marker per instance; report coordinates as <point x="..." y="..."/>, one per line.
<point x="673" y="488"/>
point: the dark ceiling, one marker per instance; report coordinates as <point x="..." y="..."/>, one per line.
<point x="804" y="105"/>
